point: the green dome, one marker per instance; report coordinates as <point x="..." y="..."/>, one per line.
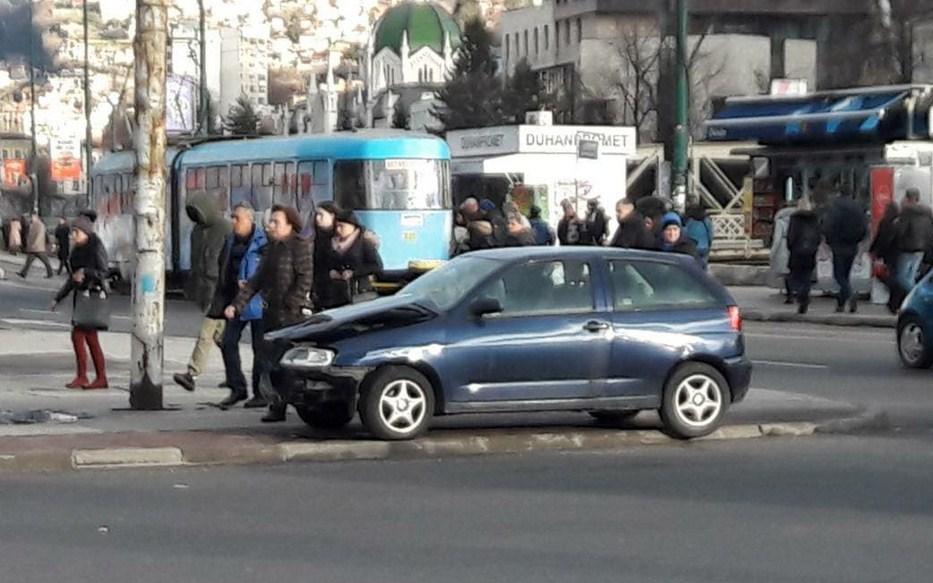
<point x="425" y="24"/>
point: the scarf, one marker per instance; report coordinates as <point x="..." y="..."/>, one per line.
<point x="341" y="246"/>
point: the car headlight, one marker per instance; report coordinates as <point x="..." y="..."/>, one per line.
<point x="307" y="357"/>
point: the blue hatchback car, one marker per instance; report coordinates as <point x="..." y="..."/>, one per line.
<point x="915" y="326"/>
<point x="606" y="331"/>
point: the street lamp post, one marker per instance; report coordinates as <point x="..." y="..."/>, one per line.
<point x="88" y="147"/>
<point x="33" y="154"/>
<point x="681" y="107"/>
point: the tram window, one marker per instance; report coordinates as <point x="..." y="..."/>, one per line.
<point x="212" y="177"/>
<point x="236" y="175"/>
<point x="191" y="179"/>
<point x="239" y="185"/>
<point x="282" y="193"/>
<point x="262" y="186"/>
<point x="350" y="184"/>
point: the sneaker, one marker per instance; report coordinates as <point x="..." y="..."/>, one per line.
<point x="185" y="380"/>
<point x="853" y="306"/>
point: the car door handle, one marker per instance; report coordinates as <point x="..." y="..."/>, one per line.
<point x="596" y="326"/>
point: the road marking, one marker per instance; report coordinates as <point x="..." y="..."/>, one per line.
<point x="17" y="321"/>
<point x="116" y="317"/>
<point x="789" y="364"/>
<point x="31" y="311"/>
<point x="849" y="337"/>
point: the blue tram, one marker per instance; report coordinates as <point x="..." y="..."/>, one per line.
<point x="397" y="182"/>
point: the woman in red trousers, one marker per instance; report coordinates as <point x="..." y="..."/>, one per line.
<point x="88" y="262"/>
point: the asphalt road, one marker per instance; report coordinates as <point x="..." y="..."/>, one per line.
<point x="826" y="509"/>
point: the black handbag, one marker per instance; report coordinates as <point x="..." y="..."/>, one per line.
<point x="91" y="309"/>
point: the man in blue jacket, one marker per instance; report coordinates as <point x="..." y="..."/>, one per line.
<point x="239" y="261"/>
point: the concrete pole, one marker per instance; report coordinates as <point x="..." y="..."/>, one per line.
<point x="203" y="95"/>
<point x="681" y="110"/>
<point x="34" y="151"/>
<point x="149" y="206"/>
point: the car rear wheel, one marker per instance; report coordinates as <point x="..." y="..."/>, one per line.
<point x="332" y="415"/>
<point x="613" y="416"/>
<point x="695" y="399"/>
<point x="912" y="344"/>
<point x="397" y="403"/>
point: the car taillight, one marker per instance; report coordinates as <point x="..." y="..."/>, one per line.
<point x="735" y="318"/>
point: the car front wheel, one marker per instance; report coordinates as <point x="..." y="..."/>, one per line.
<point x="397" y="403"/>
<point x="912" y="344"/>
<point x="695" y="399"/>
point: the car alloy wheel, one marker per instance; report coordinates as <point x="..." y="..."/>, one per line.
<point x="695" y="399"/>
<point x="397" y="403"/>
<point x="911" y="345"/>
<point x="402" y="405"/>
<point x="698" y="400"/>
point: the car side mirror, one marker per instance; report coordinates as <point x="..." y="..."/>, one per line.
<point x="485" y="306"/>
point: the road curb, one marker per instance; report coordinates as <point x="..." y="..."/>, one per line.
<point x="233" y="450"/>
<point x="853" y="320"/>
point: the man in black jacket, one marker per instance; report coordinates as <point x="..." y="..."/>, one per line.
<point x="632" y="232"/>
<point x="914" y="238"/>
<point x="803" y="241"/>
<point x="63" y="242"/>
<point x="845" y="227"/>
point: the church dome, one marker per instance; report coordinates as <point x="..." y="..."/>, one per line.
<point x="425" y="24"/>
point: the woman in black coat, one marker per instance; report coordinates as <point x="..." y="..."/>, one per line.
<point x="325" y="222"/>
<point x="88" y="261"/>
<point x="884" y="248"/>
<point x="351" y="260"/>
<point x="803" y="241"/>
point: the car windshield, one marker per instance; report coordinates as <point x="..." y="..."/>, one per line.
<point x="450" y="283"/>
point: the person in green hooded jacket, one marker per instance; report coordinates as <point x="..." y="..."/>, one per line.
<point x="207" y="242"/>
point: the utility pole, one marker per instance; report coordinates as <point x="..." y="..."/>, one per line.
<point x="681" y="107"/>
<point x="88" y="147"/>
<point x="34" y="152"/>
<point x="149" y="207"/>
<point x="203" y="96"/>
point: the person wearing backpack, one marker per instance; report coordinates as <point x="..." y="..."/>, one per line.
<point x="845" y="227"/>
<point x="803" y="241"/>
<point x="699" y="229"/>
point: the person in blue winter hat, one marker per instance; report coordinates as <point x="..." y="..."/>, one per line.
<point x="673" y="239"/>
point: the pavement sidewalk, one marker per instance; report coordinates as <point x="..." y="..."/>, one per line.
<point x="98" y="429"/>
<point x="764" y="304"/>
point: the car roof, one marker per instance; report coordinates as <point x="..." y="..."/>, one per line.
<point x="508" y="254"/>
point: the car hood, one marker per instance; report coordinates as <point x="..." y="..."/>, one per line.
<point x="340" y="323"/>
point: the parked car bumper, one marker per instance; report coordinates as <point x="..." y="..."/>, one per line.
<point x="739" y="374"/>
<point x="307" y="388"/>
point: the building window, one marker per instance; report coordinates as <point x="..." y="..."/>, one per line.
<point x="537" y="48"/>
<point x="518" y="50"/>
<point x="508" y="46"/>
<point x="567" y="32"/>
<point x="579" y="31"/>
<point x="526" y="42"/>
<point x="557" y="36"/>
<point x="547" y="37"/>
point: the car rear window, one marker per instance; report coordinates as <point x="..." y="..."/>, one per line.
<point x="648" y="285"/>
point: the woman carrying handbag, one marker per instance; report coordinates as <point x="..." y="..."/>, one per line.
<point x="91" y="306"/>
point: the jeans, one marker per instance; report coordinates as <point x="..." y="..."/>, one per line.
<point x="842" y="269"/>
<point x="231" y="354"/>
<point x="908" y="265"/>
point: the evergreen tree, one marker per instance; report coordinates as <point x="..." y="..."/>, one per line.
<point x="523" y="92"/>
<point x="472" y="94"/>
<point x="242" y="119"/>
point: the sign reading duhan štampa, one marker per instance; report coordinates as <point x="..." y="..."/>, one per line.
<point x="497" y="141"/>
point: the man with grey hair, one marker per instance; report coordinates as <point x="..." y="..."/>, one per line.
<point x="239" y="261"/>
<point x="914" y="238"/>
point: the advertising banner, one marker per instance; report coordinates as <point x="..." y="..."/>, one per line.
<point x="882" y="193"/>
<point x="14" y="172"/>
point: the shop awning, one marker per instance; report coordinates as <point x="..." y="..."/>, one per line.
<point x="881" y="114"/>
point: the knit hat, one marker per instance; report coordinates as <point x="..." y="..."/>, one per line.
<point x="84" y="224"/>
<point x="487" y="205"/>
<point x="669" y="219"/>
<point x="349" y="217"/>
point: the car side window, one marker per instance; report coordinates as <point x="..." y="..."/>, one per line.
<point x="647" y="285"/>
<point x="543" y="287"/>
